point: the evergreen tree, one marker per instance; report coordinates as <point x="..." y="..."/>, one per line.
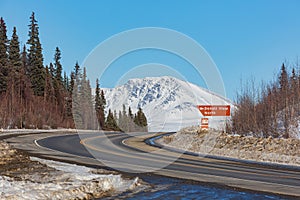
<point x="111" y="123"/>
<point x="77" y="69"/>
<point x="14" y="52"/>
<point x="24" y="59"/>
<point x="35" y="58"/>
<point x="58" y="84"/>
<point x="66" y="81"/>
<point x="3" y="43"/>
<point x="48" y="98"/>
<point x="294" y="85"/>
<point x="58" y="66"/>
<point x="99" y="106"/>
<point x="275" y="110"/>
<point x="26" y="92"/>
<point x="69" y="102"/>
<point x="77" y="73"/>
<point x="52" y="70"/>
<point x="28" y="98"/>
<point x="103" y="99"/>
<point x="140" y="118"/>
<point x="284" y="90"/>
<point x="76" y="99"/>
<point x="72" y="82"/>
<point x="283" y="79"/>
<point x="130" y="113"/>
<point x="85" y="101"/>
<point x="50" y="102"/>
<point x="3" y="56"/>
<point x="14" y="72"/>
<point x="130" y="121"/>
<point x="124" y="120"/>
<point x="49" y="90"/>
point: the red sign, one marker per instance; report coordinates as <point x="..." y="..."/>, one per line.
<point x="214" y="110"/>
<point x="204" y="123"/>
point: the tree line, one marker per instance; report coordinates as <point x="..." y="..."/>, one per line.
<point x="130" y="122"/>
<point x="273" y="109"/>
<point x="36" y="96"/>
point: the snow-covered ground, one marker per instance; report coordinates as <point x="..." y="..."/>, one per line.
<point x="269" y="150"/>
<point x="294" y="124"/>
<point x="67" y="181"/>
<point x="294" y="129"/>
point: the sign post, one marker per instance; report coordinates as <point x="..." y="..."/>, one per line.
<point x="204" y="124"/>
<point x="212" y="110"/>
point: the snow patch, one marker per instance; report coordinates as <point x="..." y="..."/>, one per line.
<point x="267" y="150"/>
<point x="294" y="129"/>
<point x="69" y="182"/>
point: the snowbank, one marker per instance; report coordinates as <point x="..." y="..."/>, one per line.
<point x="272" y="150"/>
<point x="24" y="177"/>
<point x="294" y="128"/>
<point x="66" y="181"/>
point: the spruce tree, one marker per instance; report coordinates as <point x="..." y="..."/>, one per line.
<point x="3" y="56"/>
<point x="26" y="92"/>
<point x="77" y="73"/>
<point x="14" y="52"/>
<point x="58" y="84"/>
<point x="52" y="70"/>
<point x="85" y="101"/>
<point x="102" y="110"/>
<point x="99" y="106"/>
<point x="3" y="43"/>
<point x="72" y="82"/>
<point x="24" y="59"/>
<point x="25" y="81"/>
<point x="66" y="81"/>
<point x="284" y="90"/>
<point x="76" y="99"/>
<point x="77" y="69"/>
<point x="58" y="66"/>
<point x="111" y="123"/>
<point x="35" y="58"/>
<point x="124" y="120"/>
<point x="130" y="113"/>
<point x="48" y="86"/>
<point x="103" y="99"/>
<point x="140" y="119"/>
<point x="143" y="119"/>
<point x="15" y="64"/>
<point x="283" y="79"/>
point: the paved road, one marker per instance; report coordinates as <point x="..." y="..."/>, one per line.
<point x="131" y="154"/>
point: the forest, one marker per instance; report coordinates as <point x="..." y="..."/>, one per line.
<point x="34" y="95"/>
<point x="272" y="109"/>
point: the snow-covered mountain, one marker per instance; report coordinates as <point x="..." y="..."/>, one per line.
<point x="168" y="103"/>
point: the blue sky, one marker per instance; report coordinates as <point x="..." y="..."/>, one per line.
<point x="244" y="38"/>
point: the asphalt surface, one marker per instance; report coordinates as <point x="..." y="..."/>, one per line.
<point x="131" y="154"/>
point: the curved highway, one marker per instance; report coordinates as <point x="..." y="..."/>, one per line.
<point x="131" y="154"/>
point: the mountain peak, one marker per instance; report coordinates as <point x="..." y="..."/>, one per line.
<point x="168" y="102"/>
<point x="152" y="79"/>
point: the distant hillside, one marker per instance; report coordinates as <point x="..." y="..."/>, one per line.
<point x="168" y="103"/>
